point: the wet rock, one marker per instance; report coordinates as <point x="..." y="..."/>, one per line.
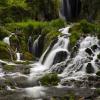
<point x="97" y="84"/>
<point x="89" y="51"/>
<point x="98" y="56"/>
<point x="89" y="68"/>
<point x="60" y="56"/>
<point x="98" y="73"/>
<point x="93" y="78"/>
<point x="94" y="47"/>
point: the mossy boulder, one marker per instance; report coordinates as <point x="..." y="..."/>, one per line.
<point x="50" y="79"/>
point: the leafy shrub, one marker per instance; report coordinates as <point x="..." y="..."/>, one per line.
<point x="28" y="56"/>
<point x="50" y="79"/>
<point x="74" y="37"/>
<point x="87" y="27"/>
<point x="4" y="53"/>
<point x="3" y="32"/>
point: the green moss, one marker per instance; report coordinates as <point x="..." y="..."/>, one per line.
<point x="50" y="79"/>
<point x="49" y="37"/>
<point x="4" y="52"/>
<point x="3" y="32"/>
<point x="83" y="28"/>
<point x="87" y="27"/>
<point x="9" y="68"/>
<point x="28" y="56"/>
<point x="74" y="37"/>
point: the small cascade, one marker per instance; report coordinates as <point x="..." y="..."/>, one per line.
<point x="85" y="60"/>
<point x="30" y="44"/>
<point x="18" y="55"/>
<point x="7" y="39"/>
<point x="37" y="46"/>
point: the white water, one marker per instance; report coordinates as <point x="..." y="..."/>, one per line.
<point x="77" y="67"/>
<point x="18" y="55"/>
<point x="7" y="39"/>
<point x="36" y="92"/>
<point x="61" y="45"/>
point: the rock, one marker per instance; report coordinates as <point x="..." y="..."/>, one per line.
<point x="89" y="68"/>
<point x="89" y="51"/>
<point x="98" y="73"/>
<point x="94" y="47"/>
<point x="60" y="56"/>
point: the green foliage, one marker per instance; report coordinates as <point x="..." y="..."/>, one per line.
<point x="22" y="10"/>
<point x="87" y="27"/>
<point x="20" y="3"/>
<point x="3" y="32"/>
<point x="74" y="37"/>
<point x="4" y="53"/>
<point x="83" y="28"/>
<point x="50" y="79"/>
<point x="90" y="9"/>
<point x="8" y="68"/>
<point x="35" y="28"/>
<point x="28" y="56"/>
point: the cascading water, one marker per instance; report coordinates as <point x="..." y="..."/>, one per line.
<point x="60" y="47"/>
<point x="70" y="9"/>
<point x="36" y="46"/>
<point x="18" y="55"/>
<point x="7" y="39"/>
<point x="85" y="60"/>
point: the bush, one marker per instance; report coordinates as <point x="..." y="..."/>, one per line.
<point x="87" y="27"/>
<point x="4" y="53"/>
<point x="3" y="32"/>
<point x="50" y="79"/>
<point x="74" y="37"/>
<point x="28" y="56"/>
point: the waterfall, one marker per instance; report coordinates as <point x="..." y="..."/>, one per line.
<point x="18" y="55"/>
<point x="56" y="53"/>
<point x="30" y="44"/>
<point x="37" y="46"/>
<point x="7" y="39"/>
<point x="70" y="9"/>
<point x="85" y="60"/>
